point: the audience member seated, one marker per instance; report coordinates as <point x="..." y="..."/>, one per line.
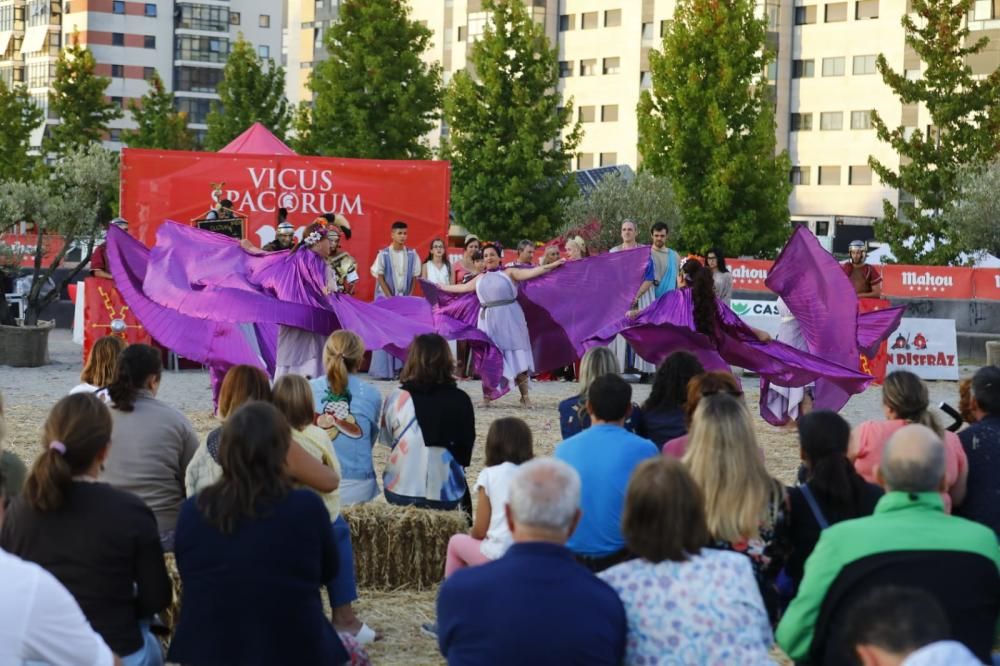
<point x="833" y="491"/>
<point x="707" y="383"/>
<point x="663" y="412"/>
<point x="534" y="605"/>
<point x="100" y="542"/>
<point x="573" y="416"/>
<point x="12" y="469"/>
<point x="981" y="442"/>
<point x="151" y="442"/>
<point x="294" y="399"/>
<point x="911" y="541"/>
<point x="902" y="626"/>
<point x="430" y="425"/>
<point x="604" y="455"/>
<point x="743" y="503"/>
<point x="40" y="621"/>
<point x="904" y="401"/>
<point x="683" y="600"/>
<point x="252" y="553"/>
<point x="99" y="371"/>
<point x="347" y="409"/>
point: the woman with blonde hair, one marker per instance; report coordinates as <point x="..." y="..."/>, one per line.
<point x="573" y="416"/>
<point x="99" y="371"/>
<point x="347" y="409"/>
<point x="743" y="503"/>
<point x="576" y="248"/>
<point x="905" y="400"/>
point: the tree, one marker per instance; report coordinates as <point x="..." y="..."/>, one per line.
<point x="251" y="91"/>
<point x="966" y="130"/>
<point x="975" y="220"/>
<point x="708" y="125"/>
<point x="644" y="199"/>
<point x="374" y="96"/>
<point x="160" y="124"/>
<point x="77" y="98"/>
<point x="509" y="164"/>
<point x="72" y="204"/>
<point x="19" y="117"/>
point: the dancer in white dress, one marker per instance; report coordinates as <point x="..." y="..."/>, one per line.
<point x="437" y="270"/>
<point x="500" y="315"/>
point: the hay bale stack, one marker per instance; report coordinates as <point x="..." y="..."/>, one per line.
<point x="400" y="546"/>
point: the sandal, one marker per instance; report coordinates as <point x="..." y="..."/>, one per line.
<point x="366" y="635"/>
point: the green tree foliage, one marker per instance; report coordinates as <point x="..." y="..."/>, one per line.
<point x="975" y="220"/>
<point x="251" y="91"/>
<point x="644" y="199"/>
<point x="77" y="98"/>
<point x="19" y="117"/>
<point x="966" y="131"/>
<point x="374" y="96"/>
<point x="708" y="125"/>
<point x="509" y="165"/>
<point x="160" y="124"/>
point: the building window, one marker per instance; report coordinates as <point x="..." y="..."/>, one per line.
<point x="805" y="15"/>
<point x="197" y="79"/>
<point x="861" y="120"/>
<point x="833" y="66"/>
<point x="66" y="8"/>
<point x="801" y="122"/>
<point x="609" y="113"/>
<point x="645" y="80"/>
<point x="866" y="9"/>
<point x="831" y="120"/>
<point x="117" y="6"/>
<point x="566" y="22"/>
<point x="202" y="17"/>
<point x="612" y="65"/>
<point x="835" y="12"/>
<point x="585" y="161"/>
<point x="195" y="108"/>
<point x="586" y="114"/>
<point x="612" y="18"/>
<point x="609" y="159"/>
<point x="665" y="27"/>
<point x="860" y="174"/>
<point x="234" y="18"/>
<point x="799" y="175"/>
<point x="147" y="73"/>
<point x="829" y="175"/>
<point x="565" y="69"/>
<point x="264" y="51"/>
<point x="118" y="39"/>
<point x="588" y="21"/>
<point x="461" y="33"/>
<point x="149" y="9"/>
<point x="264" y="21"/>
<point x="803" y="69"/>
<point x="118" y="102"/>
<point x="822" y="227"/>
<point x="201" y="48"/>
<point x="588" y="67"/>
<point x="149" y="41"/>
<point x="117" y="71"/>
<point x="647" y="32"/>
<point x="864" y="64"/>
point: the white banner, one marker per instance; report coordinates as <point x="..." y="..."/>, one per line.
<point x="926" y="347"/>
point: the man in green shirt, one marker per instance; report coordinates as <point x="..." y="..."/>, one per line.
<point x="910" y="517"/>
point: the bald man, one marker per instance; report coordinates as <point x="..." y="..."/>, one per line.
<point x="961" y="557"/>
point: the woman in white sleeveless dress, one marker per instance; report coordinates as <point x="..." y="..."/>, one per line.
<point x="500" y="315"/>
<point x="437" y="270"/>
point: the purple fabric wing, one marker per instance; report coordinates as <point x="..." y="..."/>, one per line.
<point x="876" y="326"/>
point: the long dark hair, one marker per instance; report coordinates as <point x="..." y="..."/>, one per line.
<point x="252" y="452"/>
<point x="444" y="257"/>
<point x="429" y="363"/>
<point x="823" y="437"/>
<point x="135" y="366"/>
<point x="671" y="382"/>
<point x="76" y="431"/>
<point x="720" y="258"/>
<point x="702" y="286"/>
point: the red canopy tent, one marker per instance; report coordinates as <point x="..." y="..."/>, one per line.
<point x="257" y="140"/>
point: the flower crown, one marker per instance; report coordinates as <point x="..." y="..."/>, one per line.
<point x="313" y="238"/>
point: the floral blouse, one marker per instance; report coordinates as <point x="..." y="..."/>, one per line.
<point x="706" y="610"/>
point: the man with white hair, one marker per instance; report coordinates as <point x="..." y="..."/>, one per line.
<point x="908" y="541"/>
<point x="535" y="604"/>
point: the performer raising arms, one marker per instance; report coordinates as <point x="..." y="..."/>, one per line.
<point x="500" y="315"/>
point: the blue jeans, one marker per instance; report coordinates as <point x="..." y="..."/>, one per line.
<point x="343" y="589"/>
<point x="150" y="654"/>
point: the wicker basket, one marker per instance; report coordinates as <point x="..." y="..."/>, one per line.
<point x="25" y="346"/>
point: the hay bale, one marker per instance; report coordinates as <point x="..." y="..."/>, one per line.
<point x="400" y="546"/>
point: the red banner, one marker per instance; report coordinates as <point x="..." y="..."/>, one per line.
<point x="105" y="313"/>
<point x="927" y="281"/>
<point x="749" y="274"/>
<point x="371" y="194"/>
<point x="875" y="366"/>
<point x="986" y="284"/>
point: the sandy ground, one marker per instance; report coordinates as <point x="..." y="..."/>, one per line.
<point x="29" y="392"/>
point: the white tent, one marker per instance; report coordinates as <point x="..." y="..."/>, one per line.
<point x="882" y="254"/>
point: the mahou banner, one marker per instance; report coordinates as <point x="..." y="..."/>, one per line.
<point x="372" y="194"/>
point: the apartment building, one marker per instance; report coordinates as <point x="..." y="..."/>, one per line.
<point x="187" y="43"/>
